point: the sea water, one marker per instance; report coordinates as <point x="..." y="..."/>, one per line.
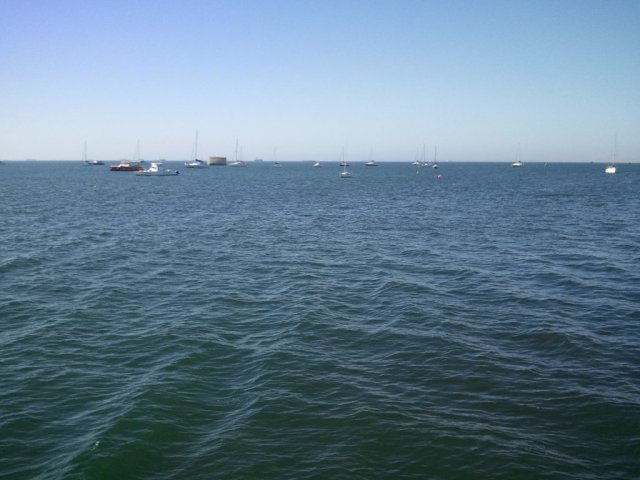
<point x="270" y="323"/>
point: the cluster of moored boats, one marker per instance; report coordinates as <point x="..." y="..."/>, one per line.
<point x="156" y="169"/>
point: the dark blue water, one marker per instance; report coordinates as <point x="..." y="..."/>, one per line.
<point x="270" y="323"/>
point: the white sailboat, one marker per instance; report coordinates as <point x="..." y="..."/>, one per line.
<point x="371" y="162"/>
<point x="195" y="163"/>
<point x="416" y="162"/>
<point x="344" y="173"/>
<point x="89" y="162"/>
<point x="343" y="162"/>
<point x="236" y="162"/>
<point x="435" y="158"/>
<point x="611" y="168"/>
<point x="518" y="162"/>
<point x="276" y="163"/>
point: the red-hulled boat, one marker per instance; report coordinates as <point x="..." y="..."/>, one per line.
<point x="126" y="166"/>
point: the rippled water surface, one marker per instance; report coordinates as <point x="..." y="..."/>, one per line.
<point x="270" y="323"/>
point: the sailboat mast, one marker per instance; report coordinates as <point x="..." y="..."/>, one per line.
<point x="137" y="154"/>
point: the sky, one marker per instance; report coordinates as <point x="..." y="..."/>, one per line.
<point x="293" y="80"/>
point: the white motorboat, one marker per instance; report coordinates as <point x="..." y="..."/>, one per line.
<point x="156" y="170"/>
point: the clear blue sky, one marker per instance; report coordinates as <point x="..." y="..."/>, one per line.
<point x="476" y="78"/>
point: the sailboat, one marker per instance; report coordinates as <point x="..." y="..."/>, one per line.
<point x="344" y="173"/>
<point x="518" y="162"/>
<point x="195" y="163"/>
<point x="611" y="168"/>
<point x="435" y="158"/>
<point x="343" y="162"/>
<point x="89" y="162"/>
<point x="371" y="162"/>
<point x="423" y="159"/>
<point x="416" y="162"/>
<point x="276" y="163"/>
<point x="236" y="162"/>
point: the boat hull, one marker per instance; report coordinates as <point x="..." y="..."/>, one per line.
<point x="147" y="174"/>
<point x="125" y="169"/>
